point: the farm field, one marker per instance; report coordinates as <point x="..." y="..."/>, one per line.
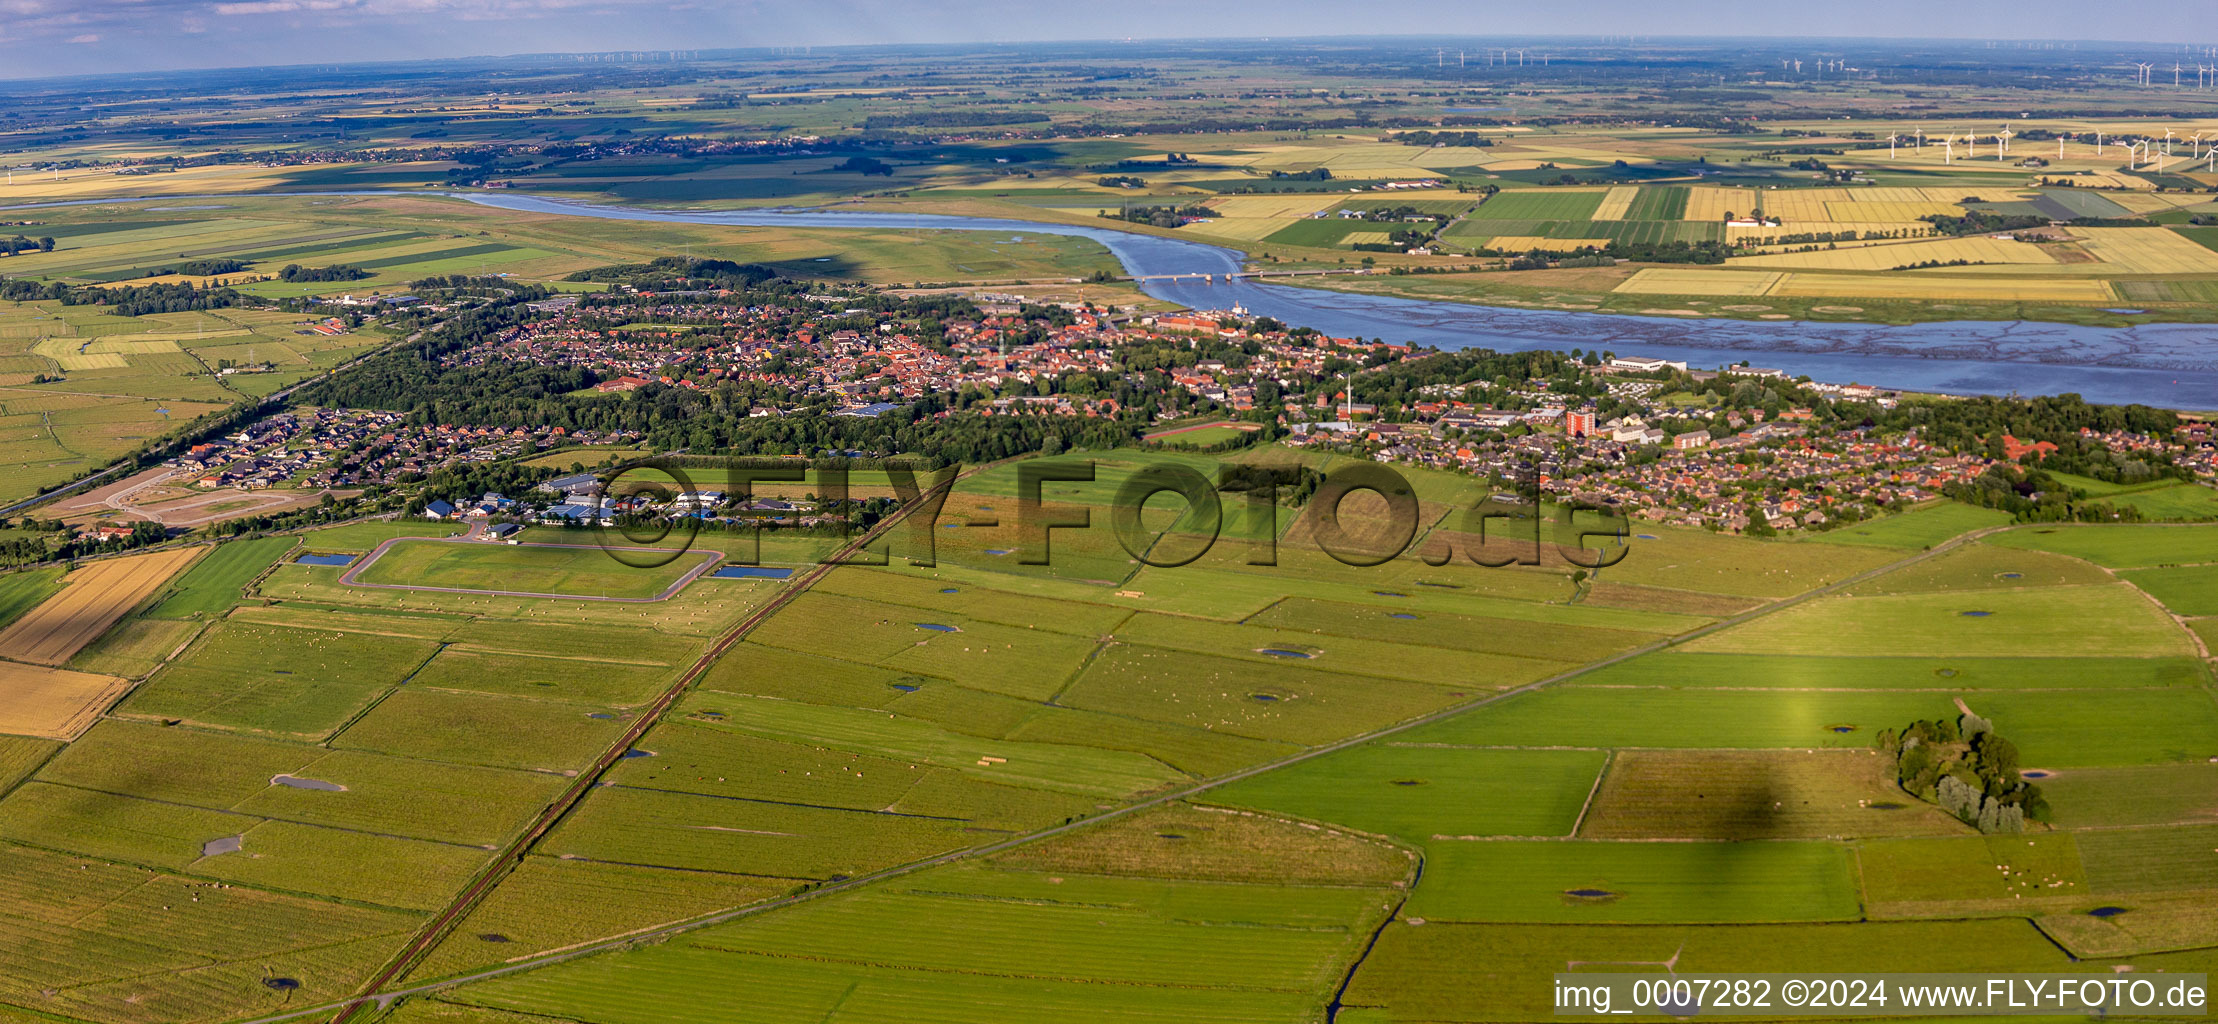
<point x="91" y="600"/>
<point x="80" y="386"/>
<point x="528" y="784"/>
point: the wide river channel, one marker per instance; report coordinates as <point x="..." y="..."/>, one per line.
<point x="2170" y="365"/>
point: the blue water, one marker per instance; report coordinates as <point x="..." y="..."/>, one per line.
<point x="2160" y="364"/>
<point x="937" y="628"/>
<point x="1976" y="615"/>
<point x="1400" y="615"/>
<point x="997" y="551"/>
<point x="2106" y="911"/>
<point x="949" y="590"/>
<point x="636" y="752"/>
<point x="324" y="560"/>
<point x="1645" y="536"/>
<point x="600" y="714"/>
<point x="1280" y="652"/>
<point x="903" y="687"/>
<point x="1389" y="593"/>
<point x="1264" y="697"/>
<point x="2013" y="575"/>
<point x="751" y="572"/>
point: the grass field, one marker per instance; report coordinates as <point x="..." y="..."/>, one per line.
<point x="218" y="581"/>
<point x="1918" y="528"/>
<point x="2188" y="590"/>
<point x="24" y="590"/>
<point x="572" y="571"/>
<point x="277" y="680"/>
<point x="1415" y="792"/>
<point x="1527" y="881"/>
<point x="2121" y="547"/>
<point x="2054" y="621"/>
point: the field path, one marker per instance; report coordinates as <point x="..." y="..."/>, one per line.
<point x="513" y="854"/>
<point x="349" y="577"/>
<point x="385" y="999"/>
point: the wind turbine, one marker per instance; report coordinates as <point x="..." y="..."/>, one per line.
<point x="1948" y="143"/>
<point x="1890" y="145"/>
<point x="2167" y="142"/>
<point x="1971" y="146"/>
<point x="2002" y="144"/>
<point x="1921" y="139"/>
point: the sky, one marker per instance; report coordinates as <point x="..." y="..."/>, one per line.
<point x="63" y="37"/>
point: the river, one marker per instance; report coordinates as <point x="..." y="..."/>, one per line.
<point x="2170" y="365"/>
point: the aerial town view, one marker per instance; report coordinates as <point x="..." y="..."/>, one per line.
<point x="613" y="513"/>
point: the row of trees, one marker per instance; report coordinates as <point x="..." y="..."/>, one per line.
<point x="134" y="300"/>
<point x="334" y="272"/>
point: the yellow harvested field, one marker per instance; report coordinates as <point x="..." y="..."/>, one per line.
<point x="1678" y="281"/>
<point x="96" y="596"/>
<point x="1958" y="194"/>
<point x="53" y="703"/>
<point x="1711" y="202"/>
<point x="1889" y="195"/>
<point x="1890" y="211"/>
<point x="2114" y="179"/>
<point x="2156" y="202"/>
<point x="1756" y="235"/>
<point x="1888" y="257"/>
<point x="1527" y="243"/>
<point x="1616" y="203"/>
<point x="65" y="351"/>
<point x="1290" y="204"/>
<point x="1927" y="286"/>
<point x="1802" y="205"/>
<point x="170" y="336"/>
<point x="1246" y="229"/>
<point x="131" y="345"/>
<point x="2148" y="250"/>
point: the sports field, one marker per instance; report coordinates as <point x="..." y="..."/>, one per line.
<point x="544" y="570"/>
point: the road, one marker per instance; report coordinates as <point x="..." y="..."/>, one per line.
<point x="348" y="577"/>
<point x="513" y="854"/>
<point x="386" y="998"/>
<point x="274" y="397"/>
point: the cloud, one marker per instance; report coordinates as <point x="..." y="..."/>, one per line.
<point x="85" y="38"/>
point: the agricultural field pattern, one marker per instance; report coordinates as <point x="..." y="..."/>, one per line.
<point x="788" y="535"/>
